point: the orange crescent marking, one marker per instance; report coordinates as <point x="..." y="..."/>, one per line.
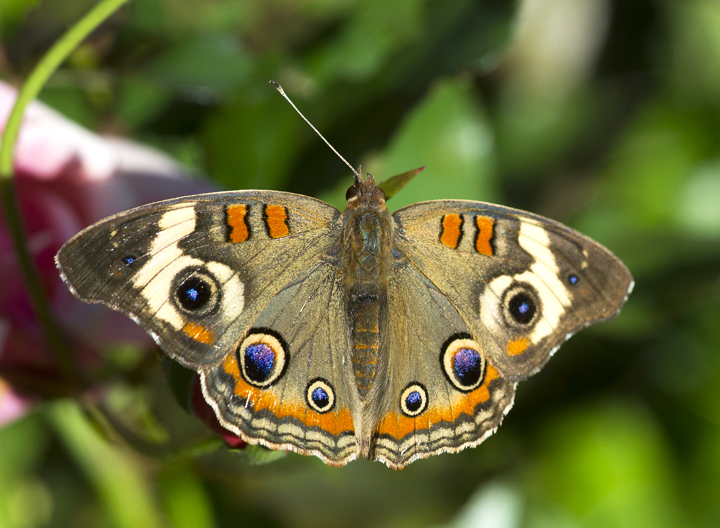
<point x="333" y="422"/>
<point x="518" y="346"/>
<point x="398" y="426"/>
<point x="436" y="413"/>
<point x="199" y="333"/>
<point x="236" y="219"/>
<point x="451" y="230"/>
<point x="422" y="421"/>
<point x="467" y="402"/>
<point x="276" y="220"/>
<point x="388" y="423"/>
<point x="486" y="227"/>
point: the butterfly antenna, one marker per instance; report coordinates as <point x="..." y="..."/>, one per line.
<point x="282" y="92"/>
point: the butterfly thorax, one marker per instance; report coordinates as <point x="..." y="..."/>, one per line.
<point x="367" y="232"/>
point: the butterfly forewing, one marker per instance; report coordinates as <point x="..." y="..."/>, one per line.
<point x="196" y="271"/>
<point x="522" y="283"/>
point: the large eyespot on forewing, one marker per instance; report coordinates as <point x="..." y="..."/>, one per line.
<point x="195" y="292"/>
<point x="521" y="306"/>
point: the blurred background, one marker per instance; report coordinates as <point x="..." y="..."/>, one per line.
<point x="602" y="114"/>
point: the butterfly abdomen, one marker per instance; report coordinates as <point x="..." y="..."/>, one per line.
<point x="364" y="307"/>
<point x="368" y="253"/>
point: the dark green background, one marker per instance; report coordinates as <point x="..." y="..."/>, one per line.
<point x="603" y="114"/>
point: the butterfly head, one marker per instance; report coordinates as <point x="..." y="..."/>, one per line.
<point x="365" y="193"/>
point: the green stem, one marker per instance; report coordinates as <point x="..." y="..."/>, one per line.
<point x="53" y="335"/>
<point x="114" y="427"/>
<point x="45" y="68"/>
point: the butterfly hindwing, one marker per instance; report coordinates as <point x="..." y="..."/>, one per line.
<point x="439" y="392"/>
<point x="522" y="283"/>
<point x="290" y="384"/>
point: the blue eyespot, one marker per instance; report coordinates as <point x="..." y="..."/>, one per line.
<point x="262" y="357"/>
<point x="522" y="308"/>
<point x="467" y="364"/>
<point x="320" y="395"/>
<point x="191" y="294"/>
<point x="259" y="361"/>
<point x="129" y="260"/>
<point x="573" y="279"/>
<point x="194" y="293"/>
<point x="414" y="400"/>
<point x="463" y="362"/>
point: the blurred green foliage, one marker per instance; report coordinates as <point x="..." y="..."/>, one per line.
<point x="603" y="114"/>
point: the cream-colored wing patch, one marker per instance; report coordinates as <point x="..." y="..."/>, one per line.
<point x="155" y="278"/>
<point x="543" y="290"/>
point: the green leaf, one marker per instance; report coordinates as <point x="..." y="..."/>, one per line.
<point x="367" y="41"/>
<point x="207" y="66"/>
<point x="12" y="12"/>
<point x="393" y="185"/>
<point x="534" y="131"/>
<point x="606" y="465"/>
<point x="251" y="146"/>
<point x="257" y="455"/>
<point x="22" y="446"/>
<point x="185" y="500"/>
<point x="117" y="477"/>
<point x="652" y="163"/>
<point x="695" y="50"/>
<point x="140" y="99"/>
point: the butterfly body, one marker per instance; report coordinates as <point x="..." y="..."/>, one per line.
<point x="361" y="333"/>
<point x="368" y="233"/>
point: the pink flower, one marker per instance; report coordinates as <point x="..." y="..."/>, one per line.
<point x="12" y="405"/>
<point x="66" y="179"/>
